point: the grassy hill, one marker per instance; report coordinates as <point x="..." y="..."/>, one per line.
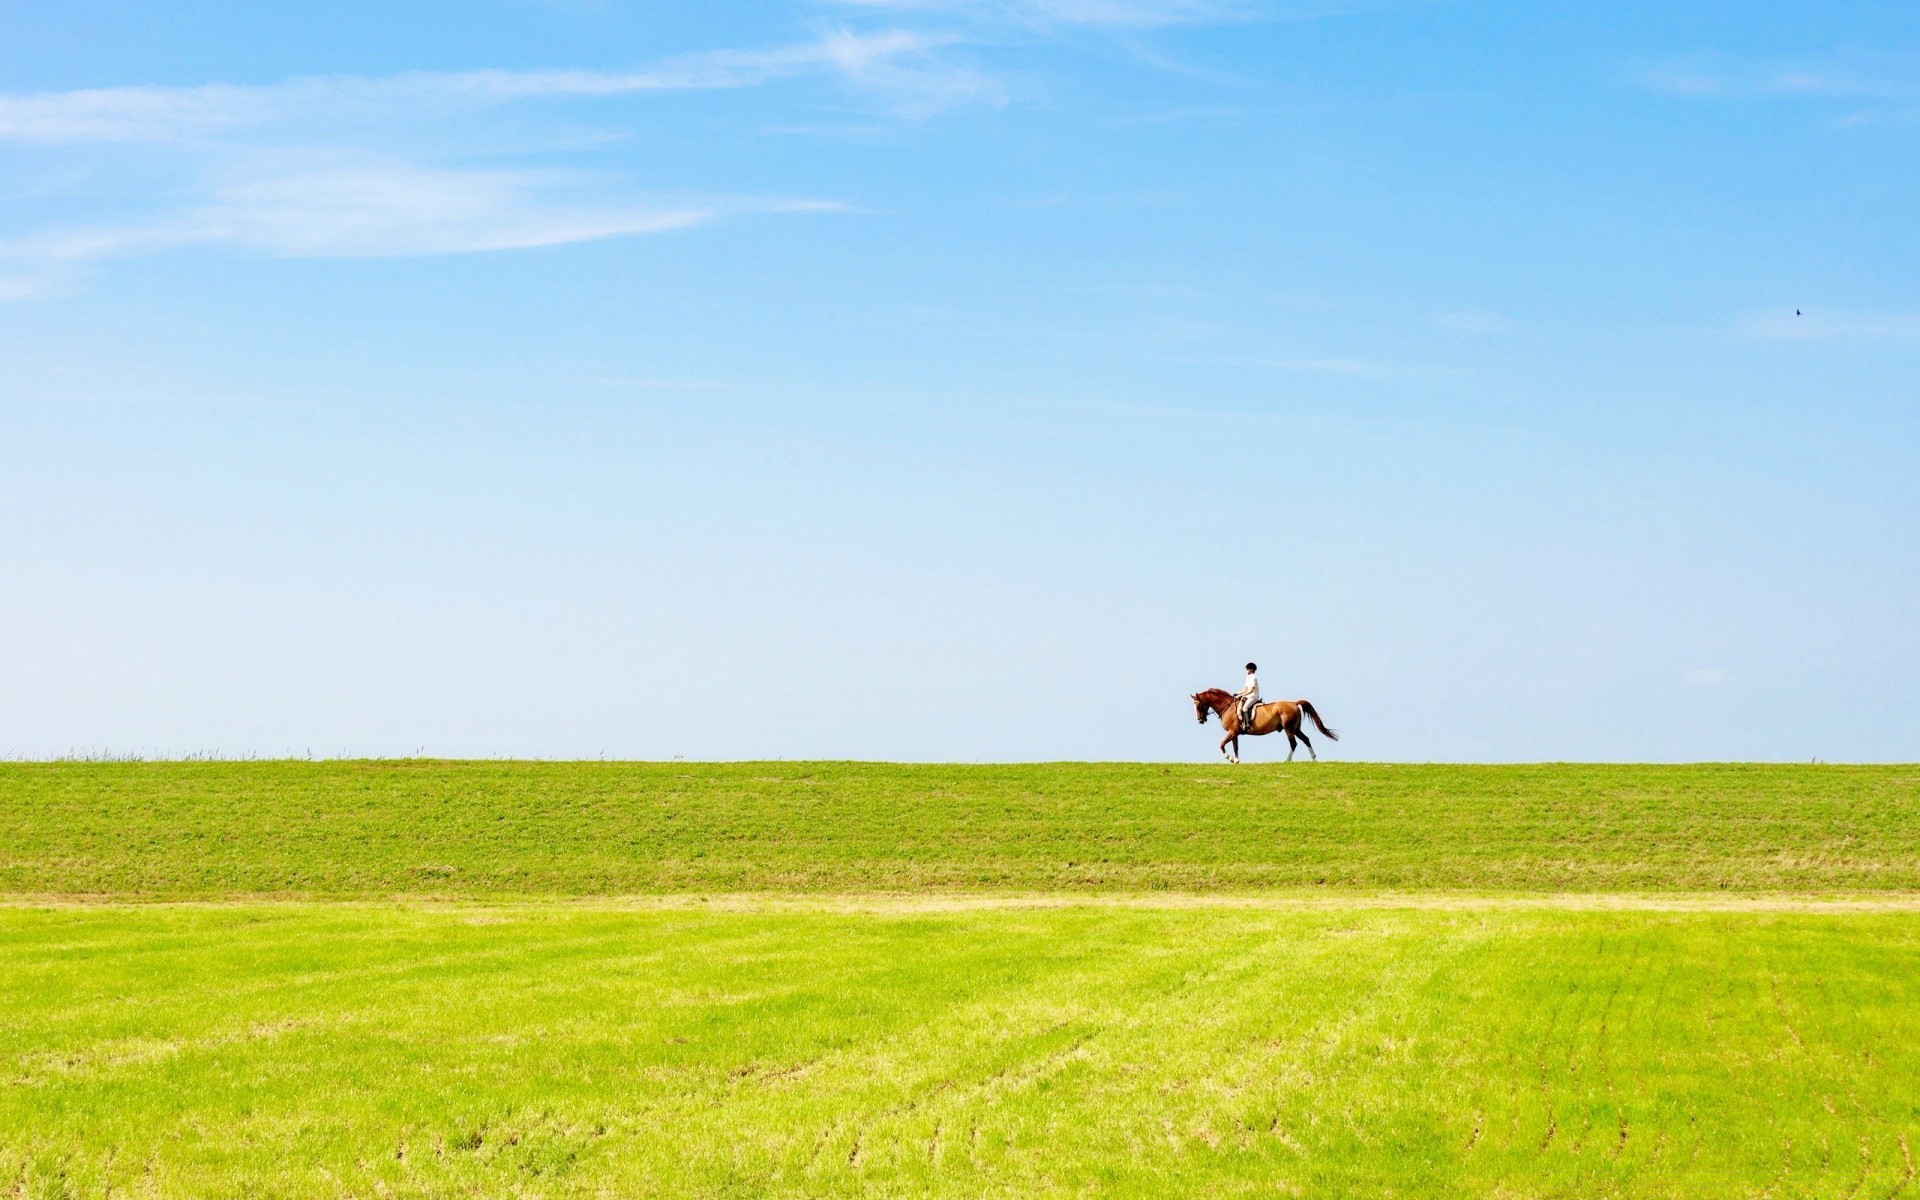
<point x="437" y="828"/>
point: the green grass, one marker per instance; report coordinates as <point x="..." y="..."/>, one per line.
<point x="333" y="1050"/>
<point x="500" y="829"/>
<point x="1361" y="992"/>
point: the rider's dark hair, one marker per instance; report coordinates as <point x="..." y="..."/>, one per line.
<point x="1251" y="667"/>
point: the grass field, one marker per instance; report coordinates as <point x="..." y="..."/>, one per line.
<point x="331" y="1050"/>
<point x="496" y="829"/>
<point x="1102" y="980"/>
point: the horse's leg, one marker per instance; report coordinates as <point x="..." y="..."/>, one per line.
<point x="1223" y="746"/>
<point x="1293" y="731"/>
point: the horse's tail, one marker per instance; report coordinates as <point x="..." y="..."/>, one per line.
<point x="1306" y="706"/>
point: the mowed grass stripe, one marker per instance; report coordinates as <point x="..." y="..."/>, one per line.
<point x="308" y="1050"/>
<point x="424" y="827"/>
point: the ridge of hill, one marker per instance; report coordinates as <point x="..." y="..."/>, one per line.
<point x="509" y="828"/>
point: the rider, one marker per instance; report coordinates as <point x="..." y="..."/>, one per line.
<point x="1249" y="697"/>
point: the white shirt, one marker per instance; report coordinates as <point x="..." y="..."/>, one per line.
<point x="1252" y="687"/>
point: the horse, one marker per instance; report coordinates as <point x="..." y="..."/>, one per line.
<point x="1272" y="717"/>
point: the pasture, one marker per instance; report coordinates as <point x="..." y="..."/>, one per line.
<point x="489" y="829"/>
<point x="362" y="1050"/>
<point x="494" y="979"/>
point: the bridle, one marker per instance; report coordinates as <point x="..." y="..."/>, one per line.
<point x="1202" y="709"/>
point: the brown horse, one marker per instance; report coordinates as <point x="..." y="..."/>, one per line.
<point x="1274" y="717"/>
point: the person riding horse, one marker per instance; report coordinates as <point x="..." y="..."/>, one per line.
<point x="1249" y="697"/>
<point x="1243" y="715"/>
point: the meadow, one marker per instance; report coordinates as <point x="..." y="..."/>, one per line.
<point x="490" y="829"/>
<point x="330" y="1050"/>
<point x="432" y="979"/>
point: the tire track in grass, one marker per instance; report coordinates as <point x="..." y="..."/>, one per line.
<point x="74" y="1066"/>
<point x="442" y="980"/>
<point x="1628" y="1012"/>
<point x="1246" y="1061"/>
<point x="1171" y="1006"/>
<point x="1780" y="1009"/>
<point x="1385" y="989"/>
<point x="1800" y="1047"/>
<point x="910" y="1045"/>
<point x="1651" y="1016"/>
<point x="1866" y="1166"/>
<point x="1600" y="1062"/>
<point x="1786" y="1167"/>
<point x="1545" y="1079"/>
<point x="1644" y="999"/>
<point x="1906" y="1159"/>
<point x="1606" y="1073"/>
<point x="1023" y="1074"/>
<point x="296" y="988"/>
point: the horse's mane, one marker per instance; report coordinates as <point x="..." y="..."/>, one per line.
<point x="1214" y="695"/>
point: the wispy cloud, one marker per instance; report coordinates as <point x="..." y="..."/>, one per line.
<point x="1869" y="88"/>
<point x="1352" y="368"/>
<point x="1835" y="325"/>
<point x="20" y="287"/>
<point x="897" y="61"/>
<point x="354" y="208"/>
<point x="1727" y="75"/>
<point x="1114" y="15"/>
<point x="903" y="69"/>
<point x="350" y="166"/>
<point x="1111" y="13"/>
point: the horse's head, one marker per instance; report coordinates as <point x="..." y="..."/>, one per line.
<point x="1201" y="709"/>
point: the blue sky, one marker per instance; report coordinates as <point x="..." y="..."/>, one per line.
<point x="907" y="379"/>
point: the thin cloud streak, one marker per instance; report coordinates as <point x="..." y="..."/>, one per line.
<point x="390" y="209"/>
<point x="897" y="61"/>
<point x="1115" y="15"/>
<point x="20" y="287"/>
<point x="1108" y="13"/>
<point x="291" y="169"/>
<point x="1352" y="368"/>
<point x="1717" y="75"/>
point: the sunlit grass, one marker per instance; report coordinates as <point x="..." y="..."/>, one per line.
<point x="1360" y="992"/>
<point x="565" y="1050"/>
